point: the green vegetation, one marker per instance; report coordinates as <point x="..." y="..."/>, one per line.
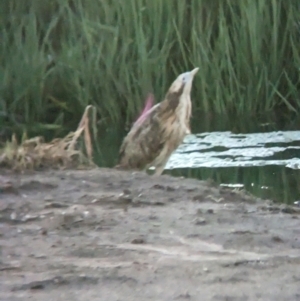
<point x="58" y="56"/>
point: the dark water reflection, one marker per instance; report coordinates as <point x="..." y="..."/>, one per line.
<point x="275" y="182"/>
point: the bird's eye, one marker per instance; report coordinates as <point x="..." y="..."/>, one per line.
<point x="185" y="77"/>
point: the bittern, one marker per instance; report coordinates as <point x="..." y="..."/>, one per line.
<point x="160" y="129"/>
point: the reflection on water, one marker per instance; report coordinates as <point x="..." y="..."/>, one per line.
<point x="277" y="183"/>
<point x="225" y="149"/>
<point x="259" y="158"/>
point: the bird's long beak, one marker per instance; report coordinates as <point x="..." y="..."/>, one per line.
<point x="194" y="71"/>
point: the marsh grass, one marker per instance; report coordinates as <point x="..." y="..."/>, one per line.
<point x="60" y="153"/>
<point x="59" y="56"/>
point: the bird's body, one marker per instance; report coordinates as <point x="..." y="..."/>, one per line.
<point x="157" y="133"/>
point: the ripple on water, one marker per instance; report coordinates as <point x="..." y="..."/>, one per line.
<point x="225" y="149"/>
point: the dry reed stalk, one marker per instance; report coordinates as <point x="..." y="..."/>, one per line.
<point x="60" y="153"/>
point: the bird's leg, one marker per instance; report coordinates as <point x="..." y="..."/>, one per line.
<point x="145" y="170"/>
<point x="160" y="167"/>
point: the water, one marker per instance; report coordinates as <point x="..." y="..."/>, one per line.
<point x="265" y="164"/>
<point x="263" y="158"/>
<point x="225" y="149"/>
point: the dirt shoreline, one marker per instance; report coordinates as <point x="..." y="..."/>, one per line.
<point x="105" y="234"/>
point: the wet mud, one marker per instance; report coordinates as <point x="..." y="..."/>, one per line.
<point x="104" y="234"/>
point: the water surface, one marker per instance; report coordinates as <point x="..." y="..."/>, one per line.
<point x="263" y="158"/>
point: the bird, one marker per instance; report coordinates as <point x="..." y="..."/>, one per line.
<point x="148" y="105"/>
<point x="160" y="129"/>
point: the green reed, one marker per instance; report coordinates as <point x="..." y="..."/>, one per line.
<point x="58" y="56"/>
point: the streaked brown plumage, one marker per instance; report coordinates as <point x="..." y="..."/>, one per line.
<point x="162" y="129"/>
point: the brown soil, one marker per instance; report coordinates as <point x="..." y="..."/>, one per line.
<point x="110" y="235"/>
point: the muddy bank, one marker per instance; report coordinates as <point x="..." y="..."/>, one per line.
<point x="110" y="235"/>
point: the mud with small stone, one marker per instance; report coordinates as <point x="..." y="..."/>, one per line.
<point x="104" y="234"/>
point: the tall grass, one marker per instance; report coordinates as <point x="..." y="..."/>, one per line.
<point x="58" y="56"/>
